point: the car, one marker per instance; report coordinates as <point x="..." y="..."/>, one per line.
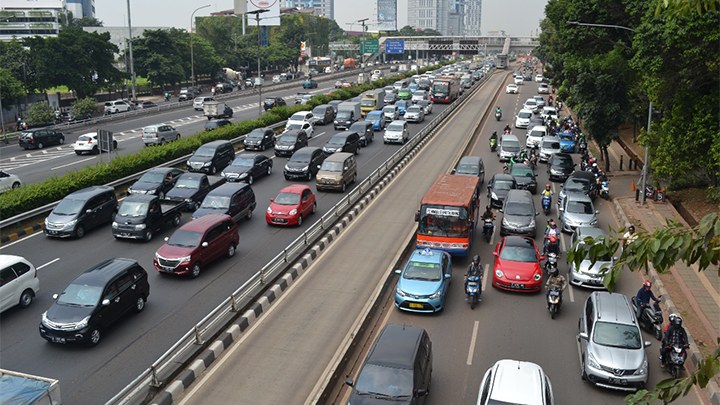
<point x="93" y="301"/>
<point x="188" y="94"/>
<point x="365" y="129"/>
<point x="273" y="101"/>
<point x="40" y="138"/>
<point x="156" y="181"/>
<point x="539" y="78"/>
<point x="290" y="141"/>
<point x="299" y="97"/>
<point x="159" y="134"/>
<point x="248" y="167"/>
<point x="424" y="281"/>
<point x="338" y="84"/>
<point x="396" y="132"/>
<point x="549" y="112"/>
<point x="190" y="188"/>
<point x="612" y="353"/>
<point x="309" y="84"/>
<point x="531" y="104"/>
<point x="515" y="382"/>
<point x="80" y="211"/>
<point x="543" y="88"/>
<point x="567" y="142"/>
<point x="415" y="114"/>
<point x="588" y="274"/>
<point x="512" y="88"/>
<point x="577" y="210"/>
<point x="527" y="77"/>
<point x="419" y="95"/>
<point x="549" y="146"/>
<point x="517" y="265"/>
<point x="302" y="126"/>
<point x="524" y="177"/>
<point x="236" y="200"/>
<point x="291" y="205"/>
<point x="9" y="181"/>
<point x="211" y="157"/>
<point x="540" y="101"/>
<point x="391" y="112"/>
<point x="518" y="214"/>
<point x="259" y="139"/>
<point x="346" y="141"/>
<point x="535" y="136"/>
<point x="578" y="182"/>
<point x="306" y="98"/>
<point x="509" y="146"/>
<point x="404" y="94"/>
<point x="89" y="143"/>
<point x="560" y="166"/>
<point x="302" y="117"/>
<point x="323" y="114"/>
<point x="347" y="83"/>
<point x="199" y="102"/>
<point x="518" y="80"/>
<point x="19" y="282"/>
<point x="117" y="106"/>
<point x="424" y="84"/>
<point x="377" y="118"/>
<point x="398" y="368"/>
<point x="390" y="98"/>
<point x="471" y="166"/>
<point x="196" y="244"/>
<point x="216" y="123"/>
<point x="427" y="106"/>
<point x="336" y="172"/>
<point x="402" y="106"/>
<point x="522" y="119"/>
<point x="144" y="104"/>
<point x="304" y="163"/>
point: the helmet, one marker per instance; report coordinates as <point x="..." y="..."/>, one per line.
<point x="675" y="319"/>
<point x="647" y="284"/>
<point x="547" y="187"/>
<point x="552" y="224"/>
<point x="591" y="160"/>
<point x="476" y="258"/>
<point x="553" y="272"/>
<point x="553" y="239"/>
<point x="594" y="164"/>
<point x="631" y="228"/>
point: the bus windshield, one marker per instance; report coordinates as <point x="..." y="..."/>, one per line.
<point x="441" y="87"/>
<point x="444" y="220"/>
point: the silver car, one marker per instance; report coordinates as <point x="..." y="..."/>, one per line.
<point x="550" y="145"/>
<point x="509" y="147"/>
<point x="501" y="381"/>
<point x="426" y="105"/>
<point x="588" y="275"/>
<point x="415" y="114"/>
<point x="159" y="134"/>
<point x="577" y="210"/>
<point x="612" y="353"/>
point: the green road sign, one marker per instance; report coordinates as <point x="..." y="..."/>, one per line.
<point x="369" y="46"/>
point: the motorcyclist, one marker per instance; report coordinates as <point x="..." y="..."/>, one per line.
<point x="554" y="280"/>
<point x="498" y="110"/>
<point x="547" y="192"/>
<point x="674" y="335"/>
<point x="553" y="246"/>
<point x="523" y="156"/>
<point x="552" y="230"/>
<point x="629" y="237"/>
<point x="507" y="129"/>
<point x="488" y="214"/>
<point x="475" y="270"/>
<point x="643" y="296"/>
<point x="167" y="96"/>
<point x="493" y="139"/>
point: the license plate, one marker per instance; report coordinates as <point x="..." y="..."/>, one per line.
<point x="472" y="284"/>
<point x="58" y="339"/>
<point x="125" y="234"/>
<point x="617" y="381"/>
<point x="516" y="285"/>
<point x="328" y="182"/>
<point x="52" y="232"/>
<point x="414" y="305"/>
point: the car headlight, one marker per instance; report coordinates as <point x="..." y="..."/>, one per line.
<point x="187" y="163"/>
<point x="139" y="227"/>
<point x="189" y="200"/>
<point x="269" y="210"/>
<point x="207" y="164"/>
<point x="592" y="362"/>
<point x="242" y="176"/>
<point x="83" y="323"/>
<point x="114" y="224"/>
<point x="436" y="295"/>
<point x="130" y="190"/>
<point x="305" y="168"/>
<point x="44" y="318"/>
<point x="505" y="222"/>
<point x="594" y="222"/>
<point x="70" y="224"/>
<point x="184" y="259"/>
<point x="494" y="196"/>
<point x="643" y="368"/>
<point x="532" y="224"/>
<point x="293" y="212"/>
<point x="537" y="276"/>
<point x="222" y="173"/>
<point x="400" y="292"/>
<point x="498" y="273"/>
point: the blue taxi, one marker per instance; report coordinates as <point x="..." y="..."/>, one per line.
<point x="567" y="142"/>
<point x="402" y="106"/>
<point x="424" y="281"/>
<point x="377" y="118"/>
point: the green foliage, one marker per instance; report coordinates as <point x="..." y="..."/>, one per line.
<point x="39" y="113"/>
<point x="84" y="106"/>
<point x="159" y="57"/>
<point x="85" y="22"/>
<point x="15" y="58"/>
<point x="684" y="8"/>
<point x="11" y="89"/>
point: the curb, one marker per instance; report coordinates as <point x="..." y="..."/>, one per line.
<point x="26" y="231"/>
<point x="712" y="388"/>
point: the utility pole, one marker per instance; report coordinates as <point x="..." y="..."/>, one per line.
<point x="132" y="68"/>
<point x="362" y="48"/>
<point x="645" y="162"/>
<point x="192" y="55"/>
<point x="257" y="80"/>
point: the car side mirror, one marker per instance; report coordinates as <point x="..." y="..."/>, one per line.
<point x="452" y="171"/>
<point x="448" y="276"/>
<point x="55" y="296"/>
<point x="166" y="239"/>
<point x="561" y="209"/>
<point x="583" y="335"/>
<point x="615" y="258"/>
<point x="542" y="257"/>
<point x="105" y="302"/>
<point x="648" y="343"/>
<point x="501" y="210"/>
<point x="87" y="211"/>
<point x="421" y="392"/>
<point x="417" y="216"/>
<point x="272" y="199"/>
<point x="397" y="271"/>
<point x="204" y="244"/>
<point x="597" y="211"/>
<point x="349" y="381"/>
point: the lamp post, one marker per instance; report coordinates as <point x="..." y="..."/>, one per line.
<point x="192" y="54"/>
<point x="132" y="69"/>
<point x="257" y="81"/>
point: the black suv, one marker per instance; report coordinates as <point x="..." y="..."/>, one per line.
<point x="560" y="166"/>
<point x="274" y="101"/>
<point x="290" y="141"/>
<point x="211" y="157"/>
<point x="156" y="181"/>
<point x="40" y="138"/>
<point x="348" y="141"/>
<point x="94" y="300"/>
<point x="215" y="124"/>
<point x="365" y="130"/>
<point x="80" y="211"/>
<point x="259" y="139"/>
<point x="304" y="163"/>
<point x="248" y="167"/>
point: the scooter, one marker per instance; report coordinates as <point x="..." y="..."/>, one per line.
<point x="493" y="144"/>
<point x="676" y="361"/>
<point x="551" y="262"/>
<point x="488" y="228"/>
<point x="554" y="300"/>
<point x="582" y="147"/>
<point x="506" y="132"/>
<point x="472" y="289"/>
<point x="498" y="115"/>
<point x="651" y="318"/>
<point x="546" y="204"/>
<point x="604" y="190"/>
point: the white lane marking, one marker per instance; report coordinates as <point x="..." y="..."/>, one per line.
<point x="72" y="163"/>
<point x="572" y="296"/>
<point x="47" y="264"/>
<point x="485" y="276"/>
<point x="472" y="343"/>
<point x="320" y="134"/>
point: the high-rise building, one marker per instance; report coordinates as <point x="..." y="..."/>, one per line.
<point x="81" y="8"/>
<point x="429" y="14"/>
<point x="323" y="8"/>
<point x="23" y="18"/>
<point x="473" y="16"/>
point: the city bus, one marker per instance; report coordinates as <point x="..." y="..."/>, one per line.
<point x="448" y="214"/>
<point x="445" y="89"/>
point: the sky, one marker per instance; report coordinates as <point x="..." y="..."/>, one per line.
<point x="515" y="17"/>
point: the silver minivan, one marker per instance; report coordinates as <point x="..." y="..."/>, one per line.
<point x="159" y="134"/>
<point x="577" y="210"/>
<point x="549" y="145"/>
<point x="509" y="147"/>
<point x="612" y="353"/>
<point x="396" y="132"/>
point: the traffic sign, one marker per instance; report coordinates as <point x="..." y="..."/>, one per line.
<point x="394" y="46"/>
<point x="369" y="46"/>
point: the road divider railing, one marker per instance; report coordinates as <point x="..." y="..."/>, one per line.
<point x="198" y="338"/>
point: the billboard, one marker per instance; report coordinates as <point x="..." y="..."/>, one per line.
<point x="394" y="46"/>
<point x="387" y="15"/>
<point x="270" y="18"/>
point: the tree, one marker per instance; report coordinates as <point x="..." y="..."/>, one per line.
<point x="86" y="22"/>
<point x="84" y="107"/>
<point x="15" y="58"/>
<point x="39" y="113"/>
<point x="664" y="247"/>
<point x="11" y="89"/>
<point x="158" y="56"/>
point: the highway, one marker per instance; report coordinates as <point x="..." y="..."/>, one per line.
<point x="92" y="376"/>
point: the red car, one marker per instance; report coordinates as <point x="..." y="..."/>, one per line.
<point x="292" y="204"/>
<point x="196" y="244"/>
<point x="517" y="265"/>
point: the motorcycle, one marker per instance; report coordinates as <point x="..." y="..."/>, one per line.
<point x="498" y="115"/>
<point x="506" y="132"/>
<point x="676" y="362"/>
<point x="493" y="144"/>
<point x="488" y="228"/>
<point x="546" y="204"/>
<point x="604" y="190"/>
<point x="554" y="300"/>
<point x="167" y="97"/>
<point x="651" y="318"/>
<point x="472" y="289"/>
<point x="582" y="148"/>
<point x="551" y="262"/>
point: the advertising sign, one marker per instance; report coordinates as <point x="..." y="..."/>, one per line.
<point x="272" y="17"/>
<point x="395" y="46"/>
<point x="387" y="15"/>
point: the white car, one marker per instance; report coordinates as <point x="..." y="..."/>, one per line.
<point x="512" y="88"/>
<point x="419" y="95"/>
<point x="539" y="78"/>
<point x="391" y="112"/>
<point x="515" y="382"/>
<point x="549" y="112"/>
<point x="518" y="80"/>
<point x="9" y="181"/>
<point x="199" y="102"/>
<point x="396" y="132"/>
<point x="543" y="88"/>
<point x="522" y="120"/>
<point x="531" y="104"/>
<point x="415" y="113"/>
<point x="19" y="282"/>
<point x="89" y="143"/>
<point x="534" y="136"/>
<point x="117" y="106"/>
<point x="302" y="117"/>
<point x="305" y="126"/>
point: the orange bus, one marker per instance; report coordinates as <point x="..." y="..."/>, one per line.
<point x="448" y="214"/>
<point x="445" y="89"/>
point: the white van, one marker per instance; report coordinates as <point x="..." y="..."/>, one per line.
<point x="18" y="282"/>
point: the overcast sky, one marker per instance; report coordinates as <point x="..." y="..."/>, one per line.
<point x="515" y="17"/>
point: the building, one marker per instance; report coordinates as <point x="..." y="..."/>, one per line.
<point x="450" y="17"/>
<point x="323" y="8"/>
<point x="81" y="8"/>
<point x="473" y="16"/>
<point x="28" y="18"/>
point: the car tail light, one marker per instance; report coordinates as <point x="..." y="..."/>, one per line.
<point x="156" y="134"/>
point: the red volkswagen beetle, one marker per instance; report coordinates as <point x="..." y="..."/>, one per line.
<point x="291" y="206"/>
<point x="517" y="265"/>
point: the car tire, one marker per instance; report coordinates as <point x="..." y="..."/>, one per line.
<point x="344" y="186"/>
<point x="176" y="221"/>
<point x="583" y="374"/>
<point x="26" y="298"/>
<point x="61" y="140"/>
<point x="95" y="150"/>
<point x="77" y="152"/>
<point x="93" y="337"/>
<point x="39" y="145"/>
<point x="79" y="231"/>
<point x="231" y="250"/>
<point x="314" y="210"/>
<point x="269" y="170"/>
<point x="249" y="215"/>
<point x="300" y="220"/>
<point x="139" y="304"/>
<point x="161" y="195"/>
<point x="195" y="272"/>
<point x="213" y="170"/>
<point x="16" y="185"/>
<point x="250" y="180"/>
<point x="262" y="147"/>
<point x="148" y="235"/>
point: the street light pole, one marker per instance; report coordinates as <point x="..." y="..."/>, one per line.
<point x="362" y="48"/>
<point x="257" y="81"/>
<point x="132" y="69"/>
<point x="192" y="54"/>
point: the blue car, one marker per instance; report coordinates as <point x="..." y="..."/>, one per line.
<point x="424" y="281"/>
<point x="567" y="142"/>
<point x="402" y="106"/>
<point x="377" y="118"/>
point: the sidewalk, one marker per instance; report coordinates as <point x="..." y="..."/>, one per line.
<point x="692" y="294"/>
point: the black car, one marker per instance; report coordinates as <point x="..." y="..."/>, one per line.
<point x="471" y="166"/>
<point x="156" y="181"/>
<point x="81" y="211"/>
<point x="275" y="101"/>
<point x="365" y="130"/>
<point x="248" y="167"/>
<point x="424" y="84"/>
<point x="290" y="141"/>
<point x="215" y="124"/>
<point x="304" y="163"/>
<point x="236" y="200"/>
<point x="524" y="177"/>
<point x="40" y="138"/>
<point x="259" y="139"/>
<point x="347" y="141"/>
<point x="498" y="188"/>
<point x="527" y="77"/>
<point x="578" y="182"/>
<point x="518" y="214"/>
<point x="211" y="157"/>
<point x="191" y="188"/>
<point x="144" y="104"/>
<point x="560" y="166"/>
<point x="189" y="95"/>
<point x="94" y="300"/>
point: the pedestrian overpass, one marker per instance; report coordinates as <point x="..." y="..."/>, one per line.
<point x="446" y="45"/>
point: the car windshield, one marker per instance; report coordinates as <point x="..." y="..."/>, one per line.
<point x="300" y="157"/>
<point x="287" y="199"/>
<point x="384" y="381"/>
<point x="401" y="104"/>
<point x="549" y="111"/>
<point x="293" y="126"/>
<point x="255" y="134"/>
<point x="419" y="93"/>
<point x="577" y="185"/>
<point x="374" y="115"/>
<point x="85" y="138"/>
<point x="298" y="117"/>
<point x="617" y="335"/>
<point x="190" y="182"/>
<point x="531" y="103"/>
<point x="216" y="202"/>
<point x="524" y="254"/>
<point x="413" y="109"/>
<point x="524" y="114"/>
<point x="205" y="151"/>
<point x="336" y="140"/>
<point x="269" y="100"/>
<point x="468" y="168"/>
<point x="511" y="145"/>
<point x="343" y="115"/>
<point x="183" y="238"/>
<point x="579" y="207"/>
<point x="80" y="295"/>
<point x="288" y="138"/>
<point x="441" y="87"/>
<point x="397" y="84"/>
<point x="395" y="127"/>
<point x="565" y="137"/>
<point x="389" y="109"/>
<point x="503" y="185"/>
<point x="152" y="177"/>
<point x="69" y="207"/>
<point x="423" y="271"/>
<point x="132" y="209"/>
<point x="519" y="209"/>
<point x="244" y="161"/>
<point x="536" y="133"/>
<point x="423" y="103"/>
<point x="332" y="166"/>
<point x="562" y="161"/>
<point x="521" y="171"/>
<point x="550" y="145"/>
<point x="367" y="103"/>
<point x="211" y="124"/>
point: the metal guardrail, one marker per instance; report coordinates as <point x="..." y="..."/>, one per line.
<point x="193" y="340"/>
